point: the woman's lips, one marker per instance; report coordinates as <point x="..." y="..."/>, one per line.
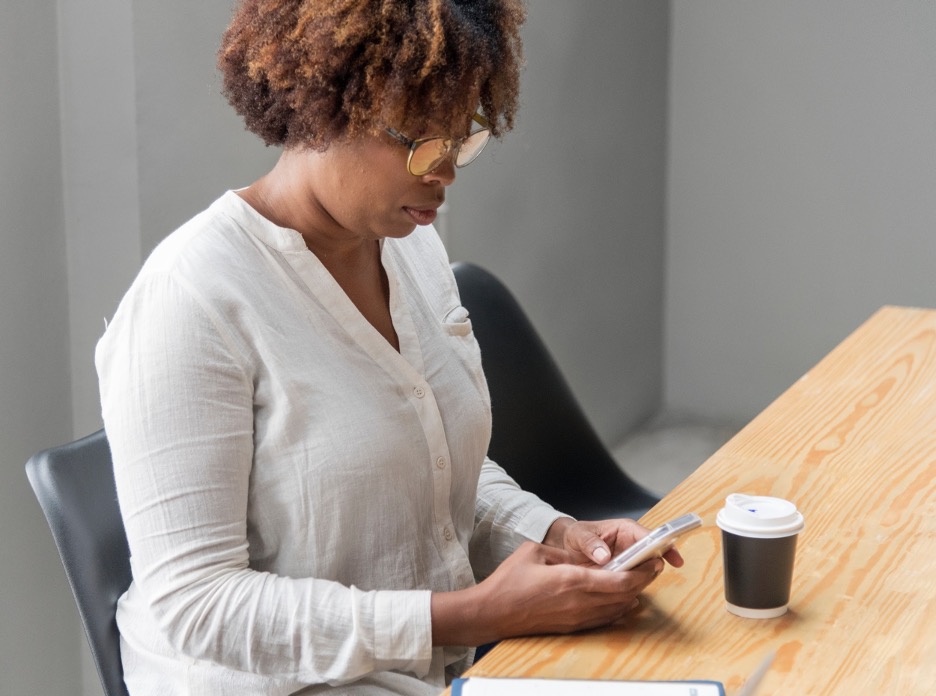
<point x="421" y="216"/>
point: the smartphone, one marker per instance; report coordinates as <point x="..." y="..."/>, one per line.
<point x="656" y="543"/>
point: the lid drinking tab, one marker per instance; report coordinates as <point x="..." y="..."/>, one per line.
<point x="759" y="516"/>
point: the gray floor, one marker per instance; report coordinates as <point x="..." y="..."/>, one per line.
<point x="662" y="454"/>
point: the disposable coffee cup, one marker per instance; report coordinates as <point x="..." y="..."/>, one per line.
<point x="758" y="549"/>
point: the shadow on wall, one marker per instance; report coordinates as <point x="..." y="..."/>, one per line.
<point x="667" y="449"/>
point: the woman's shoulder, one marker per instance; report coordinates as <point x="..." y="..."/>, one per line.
<point x="196" y="279"/>
<point x="211" y="262"/>
<point x="207" y="238"/>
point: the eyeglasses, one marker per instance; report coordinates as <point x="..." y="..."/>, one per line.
<point x="425" y="154"/>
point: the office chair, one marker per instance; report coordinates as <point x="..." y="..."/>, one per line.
<point x="541" y="436"/>
<point x="75" y="487"/>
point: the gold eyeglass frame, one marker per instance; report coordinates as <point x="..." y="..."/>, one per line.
<point x="453" y="145"/>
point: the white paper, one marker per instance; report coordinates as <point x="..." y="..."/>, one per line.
<point x="490" y="686"/>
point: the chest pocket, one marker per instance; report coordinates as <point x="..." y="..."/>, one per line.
<point x="456" y="322"/>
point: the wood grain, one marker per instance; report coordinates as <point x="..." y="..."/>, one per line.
<point x="853" y="444"/>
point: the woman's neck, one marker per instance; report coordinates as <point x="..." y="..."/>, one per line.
<point x="286" y="197"/>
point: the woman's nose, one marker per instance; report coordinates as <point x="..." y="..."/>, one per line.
<point x="443" y="174"/>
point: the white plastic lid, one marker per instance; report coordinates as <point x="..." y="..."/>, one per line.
<point x="759" y="516"/>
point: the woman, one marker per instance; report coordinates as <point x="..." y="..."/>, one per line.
<point x="294" y="398"/>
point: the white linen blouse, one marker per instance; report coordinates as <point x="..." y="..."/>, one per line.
<point x="292" y="487"/>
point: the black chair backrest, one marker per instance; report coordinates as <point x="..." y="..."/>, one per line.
<point x="540" y="435"/>
<point x="75" y="487"/>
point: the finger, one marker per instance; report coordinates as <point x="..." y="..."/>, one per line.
<point x="623" y="585"/>
<point x="654" y="566"/>
<point x="621" y="533"/>
<point x="584" y="537"/>
<point x="630" y="609"/>
<point x="674" y="558"/>
<point x="598" y="551"/>
<point x="610" y="618"/>
<point x="642" y="575"/>
<point x="548" y="555"/>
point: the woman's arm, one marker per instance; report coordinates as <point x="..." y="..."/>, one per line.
<point x="538" y="589"/>
<point x="555" y="586"/>
<point x="505" y="517"/>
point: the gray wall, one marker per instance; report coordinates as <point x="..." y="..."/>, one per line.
<point x="100" y="180"/>
<point x="568" y="210"/>
<point x="148" y="142"/>
<point x="191" y="145"/>
<point x="34" y="356"/>
<point x="801" y="187"/>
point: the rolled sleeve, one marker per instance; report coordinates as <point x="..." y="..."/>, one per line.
<point x="403" y="634"/>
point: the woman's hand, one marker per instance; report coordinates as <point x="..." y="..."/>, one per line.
<point x="545" y="588"/>
<point x="598" y="542"/>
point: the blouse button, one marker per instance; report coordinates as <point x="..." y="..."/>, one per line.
<point x="440" y="462"/>
<point x="419" y="392"/>
<point x="447" y="533"/>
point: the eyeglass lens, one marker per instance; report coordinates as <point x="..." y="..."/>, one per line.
<point x="431" y="153"/>
<point x="472" y="147"/>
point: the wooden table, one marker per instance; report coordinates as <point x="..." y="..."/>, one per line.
<point x="853" y="444"/>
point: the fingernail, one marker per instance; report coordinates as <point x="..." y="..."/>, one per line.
<point x="600" y="554"/>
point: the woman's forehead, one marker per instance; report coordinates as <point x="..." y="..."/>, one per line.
<point x="456" y="125"/>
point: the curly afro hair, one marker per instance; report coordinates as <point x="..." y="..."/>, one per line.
<point x="304" y="73"/>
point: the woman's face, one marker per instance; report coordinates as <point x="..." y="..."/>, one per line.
<point x="363" y="186"/>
